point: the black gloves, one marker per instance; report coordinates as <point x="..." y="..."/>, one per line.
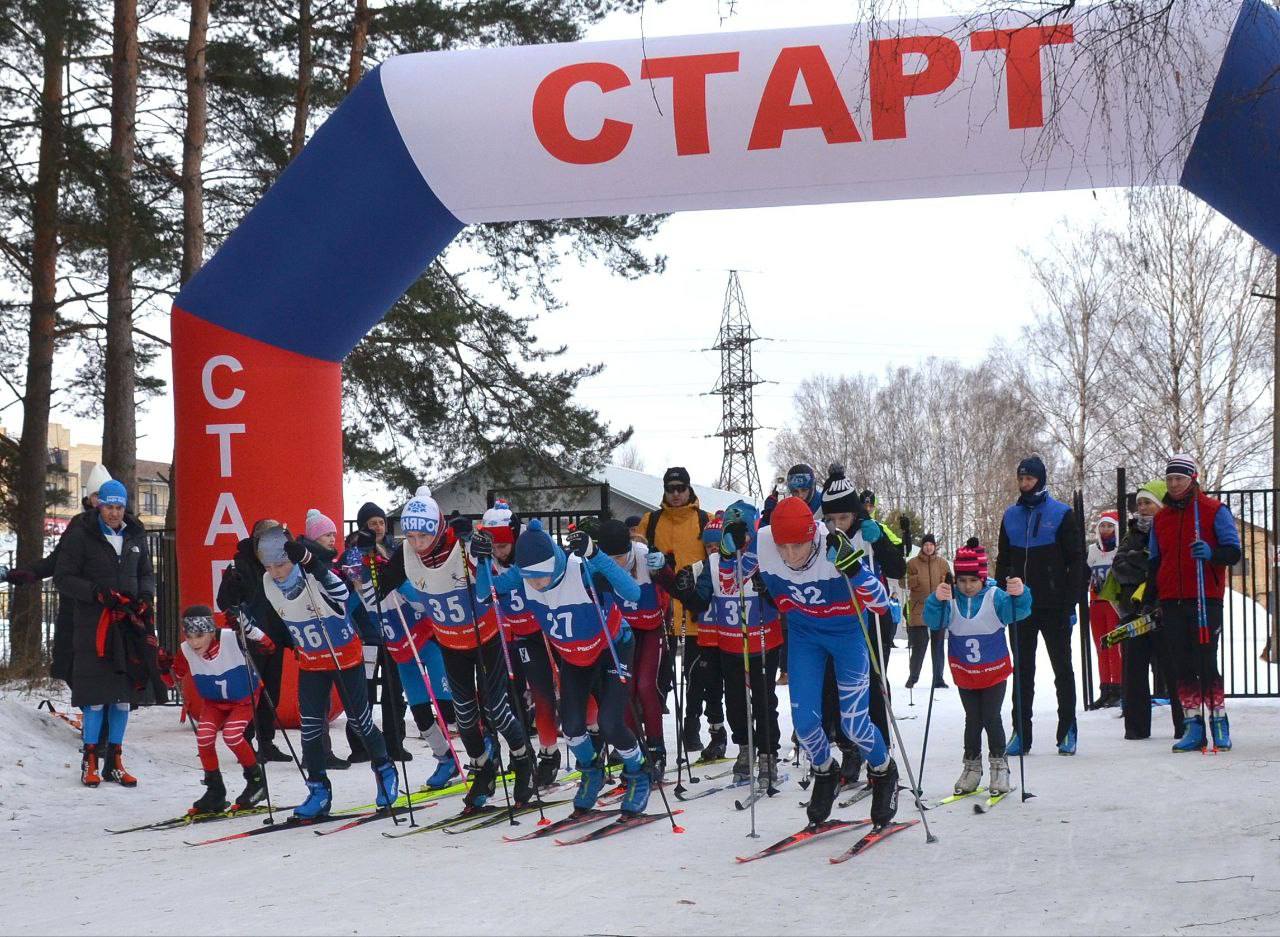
<point x="482" y="544"/>
<point x="297" y="553"/>
<point x="580" y="542"/>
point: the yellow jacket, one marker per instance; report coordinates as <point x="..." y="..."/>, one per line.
<point x="678" y="532"/>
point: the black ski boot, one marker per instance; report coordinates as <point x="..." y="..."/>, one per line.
<point x="717" y="745"/>
<point x="850" y="764"/>
<point x="522" y="768"/>
<point x="483" y="783"/>
<point x="822" y="796"/>
<point x="255" y="789"/>
<point x="269" y="752"/>
<point x="692" y="735"/>
<point x="884" y="793"/>
<point x="656" y="759"/>
<point x="214" y="799"/>
<point x="548" y="768"/>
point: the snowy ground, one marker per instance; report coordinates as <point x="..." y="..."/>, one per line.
<point x="1125" y="838"/>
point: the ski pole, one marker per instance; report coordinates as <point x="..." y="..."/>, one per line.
<point x="928" y="718"/>
<point x="1202" y="620"/>
<point x="888" y="706"/>
<point x="1019" y="679"/>
<point x="257" y="731"/>
<point x="746" y="677"/>
<point x="483" y="698"/>
<point x="521" y="712"/>
<point x="677" y="661"/>
<point x="275" y="716"/>
<point x="769" y="687"/>
<point x="341" y="687"/>
<point x="622" y="677"/>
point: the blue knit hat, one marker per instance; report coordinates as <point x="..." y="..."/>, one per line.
<point x="537" y="554"/>
<point x="113" y="492"/>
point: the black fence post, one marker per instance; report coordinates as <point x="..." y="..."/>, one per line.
<point x="1082" y="602"/>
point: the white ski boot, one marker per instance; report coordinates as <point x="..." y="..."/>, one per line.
<point x="999" y="775"/>
<point x="970" y="777"/>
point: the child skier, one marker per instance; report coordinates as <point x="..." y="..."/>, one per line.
<point x="595" y="651"/>
<point x="228" y="691"/>
<point x="975" y="623"/>
<point x="311" y="601"/>
<point x="819" y="583"/>
<point x="431" y="566"/>
<point x="1102" y="615"/>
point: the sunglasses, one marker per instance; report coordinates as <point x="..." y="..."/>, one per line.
<point x="676" y="489"/>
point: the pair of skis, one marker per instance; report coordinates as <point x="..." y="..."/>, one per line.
<point x="986" y="801"/>
<point x="814" y="831"/>
<point x="620" y="824"/>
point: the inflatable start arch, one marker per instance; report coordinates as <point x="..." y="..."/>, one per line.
<point x="429" y="143"/>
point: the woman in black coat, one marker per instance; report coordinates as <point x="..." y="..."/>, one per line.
<point x="104" y="569"/>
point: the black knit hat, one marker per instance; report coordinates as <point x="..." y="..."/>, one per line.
<point x="928" y="538"/>
<point x="614" y="538"/>
<point x="367" y="511"/>
<point x="678" y="474"/>
<point x="838" y="494"/>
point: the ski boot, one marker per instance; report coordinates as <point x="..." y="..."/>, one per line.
<point x="1014" y="748"/>
<point x="999" y="775"/>
<point x="548" y="768"/>
<point x="635" y="774"/>
<point x="268" y="752"/>
<point x="214" y="799"/>
<point x="115" y="768"/>
<point x="442" y="777"/>
<point x="767" y="771"/>
<point x="850" y="765"/>
<point x="333" y="763"/>
<point x="319" y="800"/>
<point x="591" y="782"/>
<point x="1068" y="744"/>
<point x="255" y="789"/>
<point x="1221" y="731"/>
<point x="388" y="784"/>
<point x="884" y="792"/>
<point x="89" y="775"/>
<point x="692" y="736"/>
<point x="717" y="745"/>
<point x="822" y="796"/>
<point x="1193" y="739"/>
<point x="970" y="777"/>
<point x="522" y="767"/>
<point x="656" y="759"/>
<point x="484" y="776"/>
<point x="742" y="766"/>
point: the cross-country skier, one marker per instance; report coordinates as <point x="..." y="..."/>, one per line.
<point x="1102" y="615"/>
<point x="818" y="581"/>
<point x="562" y="588"/>
<point x="312" y="602"/>
<point x="974" y="622"/>
<point x="431" y="565"/>
<point x="228" y="692"/>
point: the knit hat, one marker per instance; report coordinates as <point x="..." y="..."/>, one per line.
<point x="113" y="492"/>
<point x="742" y="512"/>
<point x="714" y="529"/>
<point x="966" y="564"/>
<point x="980" y="552"/>
<point x="367" y="511"/>
<point x="1180" y="463"/>
<point x="614" y="538"/>
<point x="500" y="522"/>
<point x="271" y="546"/>
<point x="867" y="497"/>
<point x="318" y="525"/>
<point x="800" y="476"/>
<point x="928" y="538"/>
<point x="677" y="474"/>
<point x="1033" y="465"/>
<point x="632" y="521"/>
<point x="792" y="521"/>
<point x="838" y="494"/>
<point x="421" y="514"/>
<point x="1153" y="491"/>
<point x="537" y="554"/>
<point x="198" y="619"/>
<point x="1108" y="517"/>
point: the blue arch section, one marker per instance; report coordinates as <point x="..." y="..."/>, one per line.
<point x="1234" y="164"/>
<point x="342" y="234"/>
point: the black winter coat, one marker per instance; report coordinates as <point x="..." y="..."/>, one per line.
<point x="242" y="586"/>
<point x="86" y="563"/>
<point x="60" y="665"/>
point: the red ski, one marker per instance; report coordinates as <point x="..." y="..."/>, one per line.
<point x="619" y="825"/>
<point x="289" y="824"/>
<point x="876" y="835"/>
<point x="577" y="818"/>
<point x="361" y="819"/>
<point x="803" y="836"/>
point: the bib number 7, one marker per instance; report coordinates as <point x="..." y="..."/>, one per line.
<point x="562" y="626"/>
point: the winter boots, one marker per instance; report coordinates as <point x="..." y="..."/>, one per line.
<point x="446" y="771"/>
<point x="1193" y="739"/>
<point x="319" y="800"/>
<point x="1014" y="748"/>
<point x="767" y="771"/>
<point x="635" y="774"/>
<point x="822" y="796"/>
<point x="692" y="736"/>
<point x="255" y="788"/>
<point x="388" y="784"/>
<point x="267" y="751"/>
<point x="114" y="768"/>
<point x="214" y="798"/>
<point x="850" y="764"/>
<point x="591" y="781"/>
<point x="742" y="765"/>
<point x="884" y="792"/>
<point x="1108" y="696"/>
<point x="1067" y="746"/>
<point x="1221" y="731"/>
<point x="656" y="758"/>
<point x="999" y="775"/>
<point x="717" y="745"/>
<point x="89" y="775"/>
<point x="548" y="768"/>
<point x="522" y="768"/>
<point x="484" y="776"/>
<point x="970" y="777"/>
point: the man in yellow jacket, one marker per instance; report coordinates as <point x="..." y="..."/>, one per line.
<point x="676" y="530"/>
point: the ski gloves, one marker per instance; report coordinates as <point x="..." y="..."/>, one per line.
<point x="580" y="542"/>
<point x="841" y="552"/>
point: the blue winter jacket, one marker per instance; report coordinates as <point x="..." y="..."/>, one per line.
<point x="937" y="614"/>
<point x="1041" y="543"/>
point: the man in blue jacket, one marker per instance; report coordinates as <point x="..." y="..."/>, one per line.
<point x="1040" y="544"/>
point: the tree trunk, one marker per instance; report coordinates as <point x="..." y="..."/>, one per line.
<point x="302" y="99"/>
<point x="359" y="36"/>
<point x="33" y="450"/>
<point x="193" y="143"/>
<point x="119" y="429"/>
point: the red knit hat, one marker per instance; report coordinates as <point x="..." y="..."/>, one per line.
<point x="792" y="521"/>
<point x="967" y="564"/>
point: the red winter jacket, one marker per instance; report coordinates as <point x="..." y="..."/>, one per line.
<point x="1172" y="534"/>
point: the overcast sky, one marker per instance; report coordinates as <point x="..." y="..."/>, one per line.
<point x="831" y="289"/>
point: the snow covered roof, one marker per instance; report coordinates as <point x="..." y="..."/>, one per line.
<point x="647" y="489"/>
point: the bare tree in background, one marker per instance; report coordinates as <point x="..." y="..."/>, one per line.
<point x="629" y="457"/>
